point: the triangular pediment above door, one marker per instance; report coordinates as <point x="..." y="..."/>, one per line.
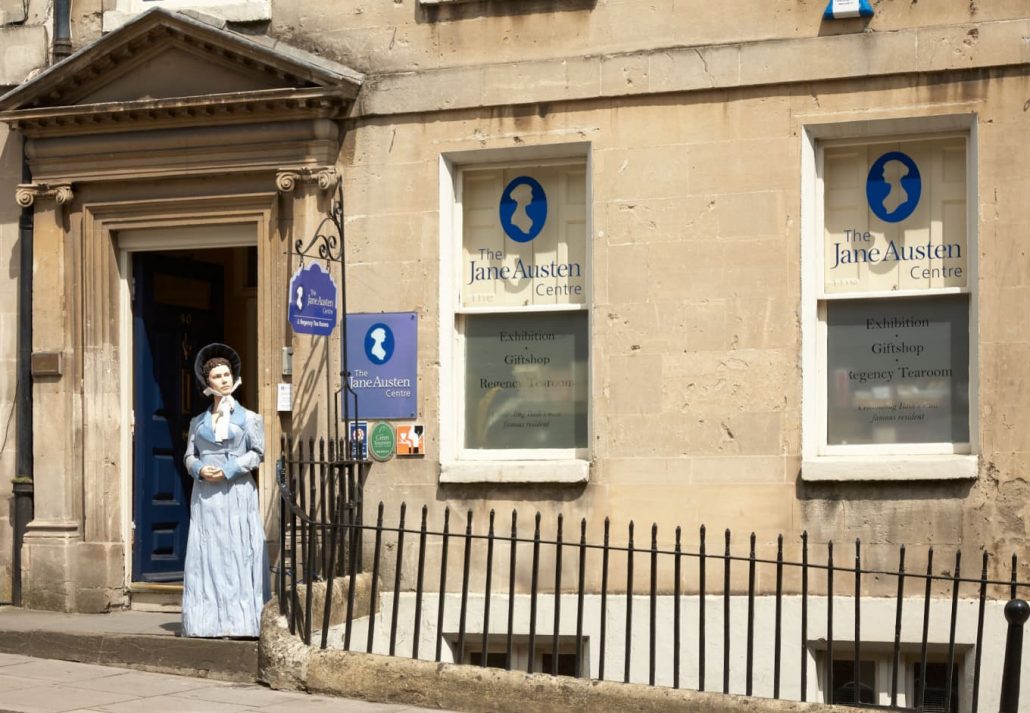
<point x="177" y="69"/>
<point x="167" y="63"/>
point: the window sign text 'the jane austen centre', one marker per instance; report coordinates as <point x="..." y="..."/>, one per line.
<point x="523" y="307"/>
<point x="895" y="299"/>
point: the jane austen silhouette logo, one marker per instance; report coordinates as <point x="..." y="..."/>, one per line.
<point x="379" y="343"/>
<point x="893" y="187"/>
<point x="523" y="209"/>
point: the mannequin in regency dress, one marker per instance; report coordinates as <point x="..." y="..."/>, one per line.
<point x="225" y="582"/>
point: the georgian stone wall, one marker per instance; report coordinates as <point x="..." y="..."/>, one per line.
<point x="692" y="122"/>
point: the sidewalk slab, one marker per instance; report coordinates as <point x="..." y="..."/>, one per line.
<point x="49" y="686"/>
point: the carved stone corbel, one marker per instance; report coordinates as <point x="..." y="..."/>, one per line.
<point x="326" y="177"/>
<point x="286" y="181"/>
<point x="27" y="194"/>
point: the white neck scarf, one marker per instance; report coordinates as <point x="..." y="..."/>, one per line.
<point x="225" y="408"/>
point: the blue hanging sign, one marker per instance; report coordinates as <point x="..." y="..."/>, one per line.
<point x="382" y="357"/>
<point x="893" y="187"/>
<point x="312" y="301"/>
<point x="839" y="9"/>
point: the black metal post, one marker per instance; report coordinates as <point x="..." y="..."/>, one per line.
<point x="443" y="583"/>
<point x="778" y="633"/>
<point x="726" y="617"/>
<point x="979" y="636"/>
<point x="676" y="613"/>
<point x="463" y="611"/>
<point x="1017" y="612"/>
<point x="629" y="606"/>
<point x="828" y="696"/>
<point x="604" y="601"/>
<point x="373" y="600"/>
<point x="804" y="616"/>
<point x="749" y="674"/>
<point x="420" y="582"/>
<point x="579" y="595"/>
<point x="557" y="598"/>
<point x="652" y="652"/>
<point x="951" y="636"/>
<point x="484" y="647"/>
<point x="896" y="658"/>
<point x="512" y="559"/>
<point x="397" y="580"/>
<point x="23" y="485"/>
<point x="701" y="611"/>
<point x="62" y="44"/>
<point x="533" y="583"/>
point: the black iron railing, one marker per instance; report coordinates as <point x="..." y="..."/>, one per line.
<point x="602" y="583"/>
<point x="320" y="525"/>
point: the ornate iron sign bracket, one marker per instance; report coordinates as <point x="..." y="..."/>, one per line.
<point x="326" y="244"/>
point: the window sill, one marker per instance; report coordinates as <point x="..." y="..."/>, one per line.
<point x="899" y="468"/>
<point x="493" y="471"/>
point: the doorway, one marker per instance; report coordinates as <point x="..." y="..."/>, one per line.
<point x="180" y="301"/>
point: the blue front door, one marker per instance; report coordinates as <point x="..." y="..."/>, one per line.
<point x="177" y="308"/>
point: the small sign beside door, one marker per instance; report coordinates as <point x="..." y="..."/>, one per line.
<point x="359" y="440"/>
<point x="410" y="440"/>
<point x="382" y="441"/>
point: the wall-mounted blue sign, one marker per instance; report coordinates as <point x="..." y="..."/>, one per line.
<point x="382" y="356"/>
<point x="893" y="187"/>
<point x="312" y="301"/>
<point x="840" y="9"/>
<point x="523" y="209"/>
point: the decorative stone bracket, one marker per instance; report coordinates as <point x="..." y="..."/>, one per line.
<point x="27" y="193"/>
<point x="287" y="179"/>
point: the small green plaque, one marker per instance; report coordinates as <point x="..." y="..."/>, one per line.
<point x="382" y="442"/>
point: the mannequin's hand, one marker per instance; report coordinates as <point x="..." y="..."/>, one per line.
<point x="212" y="474"/>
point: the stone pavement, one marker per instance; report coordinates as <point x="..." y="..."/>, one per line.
<point x="33" y="685"/>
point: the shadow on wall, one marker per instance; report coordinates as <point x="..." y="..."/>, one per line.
<point x="10" y="177"/>
<point x="457" y="495"/>
<point x="967" y="516"/>
<point x="457" y="10"/>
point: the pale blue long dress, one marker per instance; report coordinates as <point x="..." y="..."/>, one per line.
<point x="226" y="577"/>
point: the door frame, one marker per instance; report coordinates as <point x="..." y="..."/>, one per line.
<point x="185" y="233"/>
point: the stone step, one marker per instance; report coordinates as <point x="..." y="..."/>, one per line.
<point x="163" y="598"/>
<point x="139" y="640"/>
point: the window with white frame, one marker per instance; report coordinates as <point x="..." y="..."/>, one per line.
<point x="893" y="298"/>
<point x="521" y="318"/>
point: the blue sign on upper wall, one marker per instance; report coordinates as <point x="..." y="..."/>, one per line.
<point x="312" y="301"/>
<point x="382" y="357"/>
<point x="840" y="9"/>
<point x="523" y="209"/>
<point x="893" y="187"/>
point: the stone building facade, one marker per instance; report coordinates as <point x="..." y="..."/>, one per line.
<point x="734" y="263"/>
